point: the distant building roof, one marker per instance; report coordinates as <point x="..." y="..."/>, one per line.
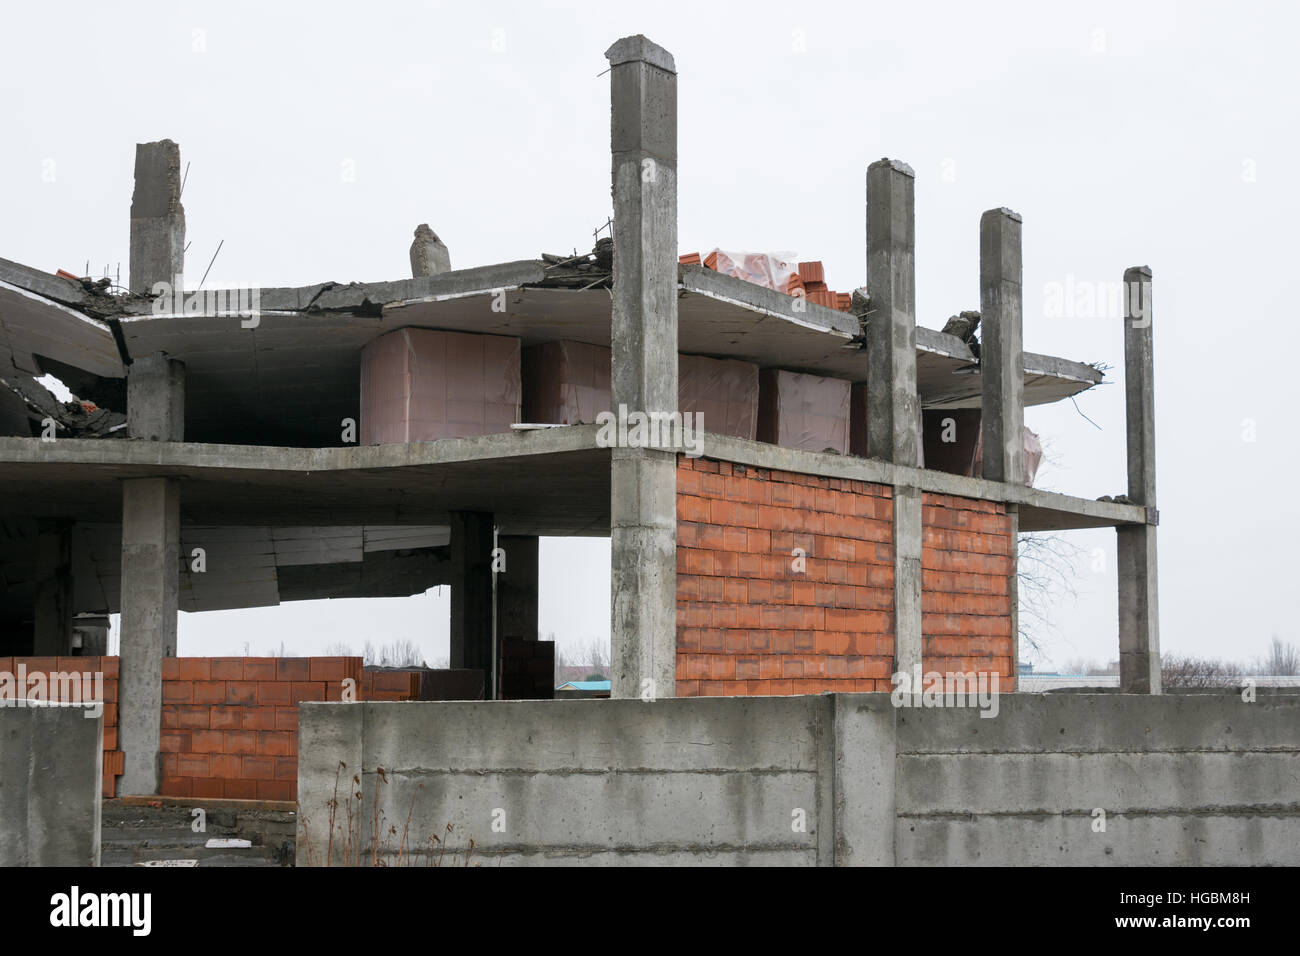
<point x="596" y="685"/>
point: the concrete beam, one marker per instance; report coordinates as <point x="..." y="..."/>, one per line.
<point x="151" y="534"/>
<point x="517" y="588"/>
<point x="1001" y="352"/>
<point x="1139" y="606"/>
<point x="54" y="610"/>
<point x="157" y="217"/>
<point x="472" y="609"/>
<point x="891" y="329"/>
<point x="643" y="338"/>
<point x="155" y="398"/>
<point x="429" y="255"/>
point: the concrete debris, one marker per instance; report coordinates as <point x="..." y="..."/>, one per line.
<point x="589" y="270"/>
<point x="963" y="326"/>
<point x="1118" y="499"/>
<point x="429" y="255"/>
<point x="74" y="419"/>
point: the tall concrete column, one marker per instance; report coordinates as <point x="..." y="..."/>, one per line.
<point x="891" y="329"/>
<point x="157" y="217"/>
<point x="892" y="405"/>
<point x="151" y="555"/>
<point x="472" y="608"/>
<point x="1139" y="605"/>
<point x="54" y="610"/>
<point x="517" y="589"/>
<point x="1001" y="351"/>
<point x="643" y="497"/>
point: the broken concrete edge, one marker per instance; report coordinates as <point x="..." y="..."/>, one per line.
<point x="505" y="277"/>
<point x="639" y="49"/>
<point x="169" y="458"/>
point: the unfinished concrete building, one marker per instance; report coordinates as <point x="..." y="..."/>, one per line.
<point x="279" y="444"/>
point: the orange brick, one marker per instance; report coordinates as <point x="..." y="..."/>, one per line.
<point x="209" y="692"/>
<point x="277" y="790"/>
<point x="259" y="668"/>
<point x="227" y="668"/>
<point x="258" y="768"/>
<point x="241" y="692"/>
<point x="292" y="669"/>
<point x="240" y="742"/>
<point x="194" y="668"/>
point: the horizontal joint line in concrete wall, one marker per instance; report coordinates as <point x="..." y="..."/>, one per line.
<point x="590" y="849"/>
<point x="1096" y="753"/>
<point x="1239" y="810"/>
<point x="594" y="772"/>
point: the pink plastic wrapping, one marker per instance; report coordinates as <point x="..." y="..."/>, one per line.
<point x="422" y="385"/>
<point x="1033" y="456"/>
<point x="770" y="270"/>
<point x="565" y="383"/>
<point x="803" y="411"/>
<point x="723" y="391"/>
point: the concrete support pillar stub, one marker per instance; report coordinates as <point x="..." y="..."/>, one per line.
<point x="1001" y="347"/>
<point x="157" y="217"/>
<point x="891" y="326"/>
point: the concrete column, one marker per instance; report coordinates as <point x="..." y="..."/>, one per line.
<point x="429" y="256"/>
<point x="908" y="643"/>
<point x="1139" y="618"/>
<point x="155" y="398"/>
<point x="1001" y="359"/>
<point x="643" y="497"/>
<point x="891" y="329"/>
<point x="517" y="589"/>
<point x="151" y="546"/>
<point x="472" y="643"/>
<point x="157" y="217"/>
<point x="54" y="610"/>
<point x="892" y="405"/>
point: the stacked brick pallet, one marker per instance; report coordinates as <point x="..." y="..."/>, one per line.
<point x="390" y="685"/>
<point x="86" y="667"/>
<point x="230" y="724"/>
<point x="809" y="281"/>
<point x="757" y="616"/>
<point x="967" y="560"/>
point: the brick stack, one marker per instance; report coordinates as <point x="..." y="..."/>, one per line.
<point x="113" y="758"/>
<point x="390" y="684"/>
<point x="809" y="281"/>
<point x="967" y="559"/>
<point x="749" y="622"/>
<point x="230" y="724"/>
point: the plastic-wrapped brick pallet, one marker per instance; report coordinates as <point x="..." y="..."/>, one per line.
<point x="423" y="385"/>
<point x="565" y="383"/>
<point x="724" y="392"/>
<point x="568" y="383"/>
<point x="797" y="410"/>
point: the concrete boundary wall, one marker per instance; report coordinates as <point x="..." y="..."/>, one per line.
<point x="832" y="779"/>
<point x="50" y="777"/>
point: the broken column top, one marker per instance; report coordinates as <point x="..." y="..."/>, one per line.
<point x="895" y="164"/>
<point x="637" y="49"/>
<point x="157" y="179"/>
<point x="1004" y="211"/>
<point x="429" y="255"/>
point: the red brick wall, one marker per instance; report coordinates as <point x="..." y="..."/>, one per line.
<point x="230" y="724"/>
<point x="747" y="621"/>
<point x="967" y="559"/>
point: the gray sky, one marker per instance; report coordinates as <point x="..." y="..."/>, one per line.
<point x="320" y="134"/>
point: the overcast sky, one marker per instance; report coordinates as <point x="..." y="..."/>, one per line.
<point x="319" y="134"/>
